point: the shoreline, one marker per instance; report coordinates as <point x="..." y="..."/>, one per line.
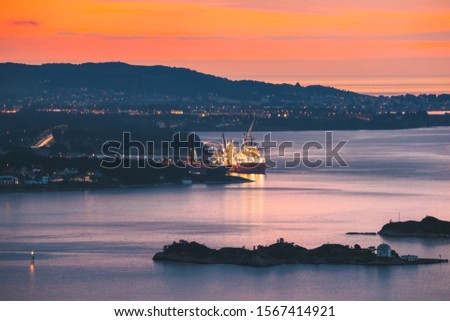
<point x="94" y="187"/>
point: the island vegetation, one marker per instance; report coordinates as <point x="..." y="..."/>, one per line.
<point x="281" y="252"/>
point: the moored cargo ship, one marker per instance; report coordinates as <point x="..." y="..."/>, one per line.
<point x="247" y="159"/>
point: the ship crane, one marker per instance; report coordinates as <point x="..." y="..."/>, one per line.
<point x="248" y="139"/>
<point x="247" y="158"/>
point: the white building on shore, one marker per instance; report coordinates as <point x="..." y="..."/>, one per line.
<point x="384" y="250"/>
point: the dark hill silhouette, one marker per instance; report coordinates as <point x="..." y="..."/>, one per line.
<point x="27" y="80"/>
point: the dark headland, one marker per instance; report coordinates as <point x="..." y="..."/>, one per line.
<point x="280" y="253"/>
<point x="429" y="227"/>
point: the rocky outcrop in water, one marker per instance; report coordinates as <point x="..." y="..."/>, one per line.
<point x="429" y="227"/>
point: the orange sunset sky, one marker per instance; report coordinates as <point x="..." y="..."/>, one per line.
<point x="383" y="46"/>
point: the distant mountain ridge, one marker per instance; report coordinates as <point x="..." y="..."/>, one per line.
<point x="18" y="80"/>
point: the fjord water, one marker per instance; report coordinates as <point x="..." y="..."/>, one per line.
<point x="98" y="244"/>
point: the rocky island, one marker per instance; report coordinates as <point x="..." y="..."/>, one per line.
<point x="429" y="227"/>
<point x="282" y="253"/>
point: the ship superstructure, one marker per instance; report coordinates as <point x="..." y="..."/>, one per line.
<point x="245" y="158"/>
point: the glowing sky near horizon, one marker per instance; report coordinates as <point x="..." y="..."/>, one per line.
<point x="374" y="46"/>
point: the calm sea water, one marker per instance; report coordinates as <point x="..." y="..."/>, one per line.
<point x="98" y="245"/>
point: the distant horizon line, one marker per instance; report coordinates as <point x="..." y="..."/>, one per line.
<point x="369" y="85"/>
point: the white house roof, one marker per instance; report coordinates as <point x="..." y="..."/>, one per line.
<point x="383" y="246"/>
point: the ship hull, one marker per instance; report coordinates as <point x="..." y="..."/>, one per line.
<point x="249" y="168"/>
